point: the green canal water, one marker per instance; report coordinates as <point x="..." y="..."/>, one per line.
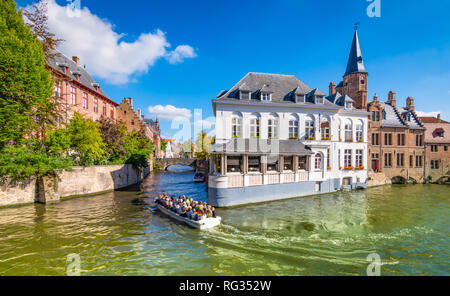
<point x="333" y="234"/>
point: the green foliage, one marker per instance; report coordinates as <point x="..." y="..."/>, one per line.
<point x="113" y="134"/>
<point x="163" y="145"/>
<point x="58" y="141"/>
<point x="157" y="166"/>
<point x="30" y="158"/>
<point x="86" y="140"/>
<point x="138" y="149"/>
<point x="25" y="83"/>
<point x="203" y="145"/>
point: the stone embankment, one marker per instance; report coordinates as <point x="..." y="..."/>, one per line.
<point x="78" y="181"/>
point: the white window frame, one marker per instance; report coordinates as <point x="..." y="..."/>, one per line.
<point x="348" y="158"/>
<point x="255" y="127"/>
<point x="359" y="132"/>
<point x="236" y="127"/>
<point x="273" y="126"/>
<point x="320" y="100"/>
<point x="348" y="130"/>
<point x="293" y="128"/>
<point x="359" y="158"/>
<point x="266" y="97"/>
<point x="309" y="128"/>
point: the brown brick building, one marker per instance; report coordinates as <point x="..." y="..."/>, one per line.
<point x="396" y="135"/>
<point x="437" y="143"/>
<point x="135" y="121"/>
<point x="76" y="91"/>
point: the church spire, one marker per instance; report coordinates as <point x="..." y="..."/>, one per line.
<point x="355" y="61"/>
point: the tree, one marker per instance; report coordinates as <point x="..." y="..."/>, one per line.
<point x="138" y="149"/>
<point x="86" y="140"/>
<point x="113" y="134"/>
<point x="25" y="83"/>
<point x="203" y="145"/>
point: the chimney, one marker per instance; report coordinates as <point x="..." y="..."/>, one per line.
<point x="130" y="100"/>
<point x="76" y="60"/>
<point x="439" y="117"/>
<point x="332" y="88"/>
<point x="410" y="103"/>
<point x="391" y="98"/>
<point x="375" y="98"/>
<point x="52" y="44"/>
<point x="139" y="112"/>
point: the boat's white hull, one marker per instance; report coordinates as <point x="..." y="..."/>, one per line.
<point x="204" y="224"/>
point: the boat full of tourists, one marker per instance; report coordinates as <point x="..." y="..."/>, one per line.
<point x="206" y="223"/>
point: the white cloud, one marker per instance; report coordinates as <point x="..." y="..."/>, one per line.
<point x="169" y="112"/>
<point x="100" y="48"/>
<point x="428" y="114"/>
<point x="180" y="53"/>
<point x="208" y="123"/>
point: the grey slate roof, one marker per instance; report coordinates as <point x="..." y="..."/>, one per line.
<point x="282" y="87"/>
<point x="339" y="99"/>
<point x="59" y="61"/>
<point x="262" y="147"/>
<point x="414" y="121"/>
<point x="396" y="117"/>
<point x="355" y="61"/>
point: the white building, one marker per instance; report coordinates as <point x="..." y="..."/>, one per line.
<point x="278" y="138"/>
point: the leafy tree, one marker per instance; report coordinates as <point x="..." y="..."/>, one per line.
<point x="138" y="149"/>
<point x="203" y="145"/>
<point x="113" y="134"/>
<point x="163" y="145"/>
<point x="58" y="141"/>
<point x="86" y="140"/>
<point x="25" y="83"/>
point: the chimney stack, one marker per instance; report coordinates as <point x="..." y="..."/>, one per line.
<point x="130" y="100"/>
<point x="76" y="60"/>
<point x="439" y="117"/>
<point x="410" y="103"/>
<point x="332" y="88"/>
<point x="139" y="112"/>
<point x="391" y="98"/>
<point x="375" y="98"/>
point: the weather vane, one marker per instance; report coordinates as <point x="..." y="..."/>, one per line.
<point x="356" y="26"/>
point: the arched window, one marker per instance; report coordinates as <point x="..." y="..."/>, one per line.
<point x="325" y="129"/>
<point x="309" y="128"/>
<point x="348" y="131"/>
<point x="236" y="125"/>
<point x="255" y="130"/>
<point x="360" y="132"/>
<point x="293" y="127"/>
<point x="318" y="161"/>
<point x="273" y="126"/>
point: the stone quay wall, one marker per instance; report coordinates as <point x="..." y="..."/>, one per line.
<point x="78" y="181"/>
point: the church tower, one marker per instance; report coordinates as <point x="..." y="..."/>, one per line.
<point x="355" y="77"/>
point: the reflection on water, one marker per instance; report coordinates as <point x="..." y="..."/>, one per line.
<point x="117" y="233"/>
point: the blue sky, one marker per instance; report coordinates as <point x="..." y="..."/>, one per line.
<point x="406" y="50"/>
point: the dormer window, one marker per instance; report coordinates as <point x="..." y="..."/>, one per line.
<point x="244" y="95"/>
<point x="384" y="115"/>
<point x="300" y="98"/>
<point x="348" y="105"/>
<point x="96" y="86"/>
<point x="408" y="117"/>
<point x="319" y="100"/>
<point x="266" y="97"/>
<point x="77" y="75"/>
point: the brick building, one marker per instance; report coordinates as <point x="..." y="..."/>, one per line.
<point x="135" y="121"/>
<point x="76" y="91"/>
<point x="437" y="143"/>
<point x="396" y="151"/>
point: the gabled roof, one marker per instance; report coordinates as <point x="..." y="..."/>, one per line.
<point x="432" y="120"/>
<point x="433" y="130"/>
<point x="355" y="61"/>
<point x="339" y="99"/>
<point x="397" y="117"/>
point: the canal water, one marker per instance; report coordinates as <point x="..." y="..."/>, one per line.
<point x="120" y="234"/>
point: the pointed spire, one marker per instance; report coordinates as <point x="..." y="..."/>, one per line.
<point x="355" y="60"/>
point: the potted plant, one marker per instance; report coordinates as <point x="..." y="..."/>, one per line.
<point x="349" y="140"/>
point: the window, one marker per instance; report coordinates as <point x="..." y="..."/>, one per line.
<point x="401" y="139"/>
<point x="375" y="139"/>
<point x="300" y="98"/>
<point x="319" y="100"/>
<point x="348" y="131"/>
<point x="112" y="114"/>
<point x="66" y="70"/>
<point x="245" y="95"/>
<point x="328" y="159"/>
<point x="419" y="161"/>
<point x="236" y="127"/>
<point x="360" y="132"/>
<point x="348" y="105"/>
<point x="318" y="161"/>
<point x="266" y="97"/>
<point x="58" y="89"/>
<point x="309" y="128"/>
<point x="408" y="117"/>
<point x="325" y="129"/>
<point x="302" y="160"/>
<point x="359" y="158"/>
<point x="288" y="163"/>
<point x="384" y="115"/>
<point x="388" y="139"/>
<point x="375" y="116"/>
<point x="96" y="105"/>
<point x="362" y="81"/>
<point x="388" y="160"/>
<point x="435" y="164"/>
<point x="434" y="148"/>
<point x="254" y="164"/>
<point x="375" y="162"/>
<point x="400" y="160"/>
<point x="104" y="110"/>
<point x="132" y="122"/>
<point x="272" y="128"/>
<point x="73" y="95"/>
<point x="85" y="101"/>
<point x="272" y="163"/>
<point x="419" y="140"/>
<point x="339" y="158"/>
<point x="254" y="127"/>
<point x="234" y="164"/>
<point x="293" y="129"/>
<point x="445" y="148"/>
<point x="347" y="158"/>
<point x="411" y="161"/>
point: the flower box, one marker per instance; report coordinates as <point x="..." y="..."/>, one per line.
<point x="310" y="138"/>
<point x="360" y="141"/>
<point x="349" y="168"/>
<point x="329" y="168"/>
<point x="293" y="138"/>
<point x="349" y="140"/>
<point x="360" y="168"/>
<point x="326" y="139"/>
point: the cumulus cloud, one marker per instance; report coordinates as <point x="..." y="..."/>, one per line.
<point x="428" y="114"/>
<point x="100" y="48"/>
<point x="169" y="112"/>
<point x="208" y="123"/>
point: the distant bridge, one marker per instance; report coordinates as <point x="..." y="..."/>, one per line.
<point x="168" y="162"/>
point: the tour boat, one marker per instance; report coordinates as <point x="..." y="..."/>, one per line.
<point x="207" y="223"/>
<point x="199" y="178"/>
